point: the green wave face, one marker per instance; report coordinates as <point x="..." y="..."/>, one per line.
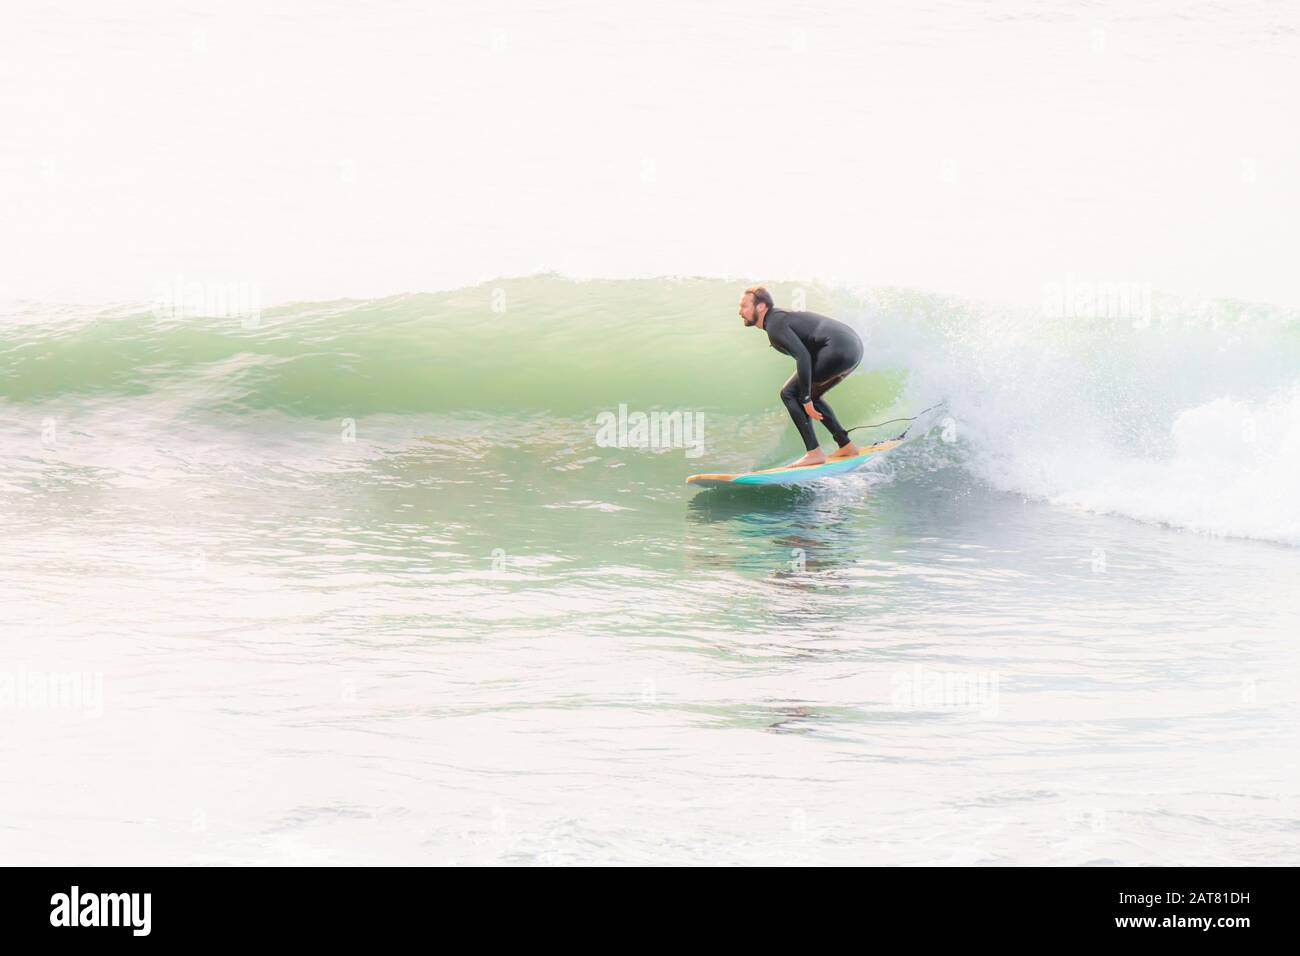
<point x="540" y="345"/>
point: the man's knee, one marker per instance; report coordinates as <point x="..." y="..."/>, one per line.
<point x="790" y="392"/>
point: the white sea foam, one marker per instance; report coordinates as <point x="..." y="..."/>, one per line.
<point x="1192" y="422"/>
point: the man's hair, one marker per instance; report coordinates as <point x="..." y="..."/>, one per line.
<point x="761" y="295"/>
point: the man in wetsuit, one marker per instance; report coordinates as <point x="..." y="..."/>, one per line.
<point x="824" y="351"/>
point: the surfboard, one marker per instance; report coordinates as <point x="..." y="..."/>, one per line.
<point x="796" y="476"/>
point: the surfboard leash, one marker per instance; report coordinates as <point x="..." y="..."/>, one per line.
<point x="893" y="420"/>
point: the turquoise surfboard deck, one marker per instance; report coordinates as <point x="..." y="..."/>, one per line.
<point x="796" y="476"/>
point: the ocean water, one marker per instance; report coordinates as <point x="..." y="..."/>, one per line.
<point x="364" y="581"/>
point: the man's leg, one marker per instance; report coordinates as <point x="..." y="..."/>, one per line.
<point x="828" y="415"/>
<point x="834" y="364"/>
<point x="790" y="397"/>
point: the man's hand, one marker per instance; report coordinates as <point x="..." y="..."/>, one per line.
<point x="812" y="412"/>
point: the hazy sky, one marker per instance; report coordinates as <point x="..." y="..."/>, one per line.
<point x="333" y="149"/>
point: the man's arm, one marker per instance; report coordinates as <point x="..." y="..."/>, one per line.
<point x="794" y="346"/>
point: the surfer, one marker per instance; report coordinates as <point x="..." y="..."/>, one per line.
<point x="824" y="350"/>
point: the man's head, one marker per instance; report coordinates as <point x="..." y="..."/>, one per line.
<point x="755" y="304"/>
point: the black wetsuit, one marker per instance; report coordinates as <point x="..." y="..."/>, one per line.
<point x="825" y="351"/>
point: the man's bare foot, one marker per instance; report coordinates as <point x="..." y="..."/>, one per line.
<point x="814" y="457"/>
<point x="848" y="451"/>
